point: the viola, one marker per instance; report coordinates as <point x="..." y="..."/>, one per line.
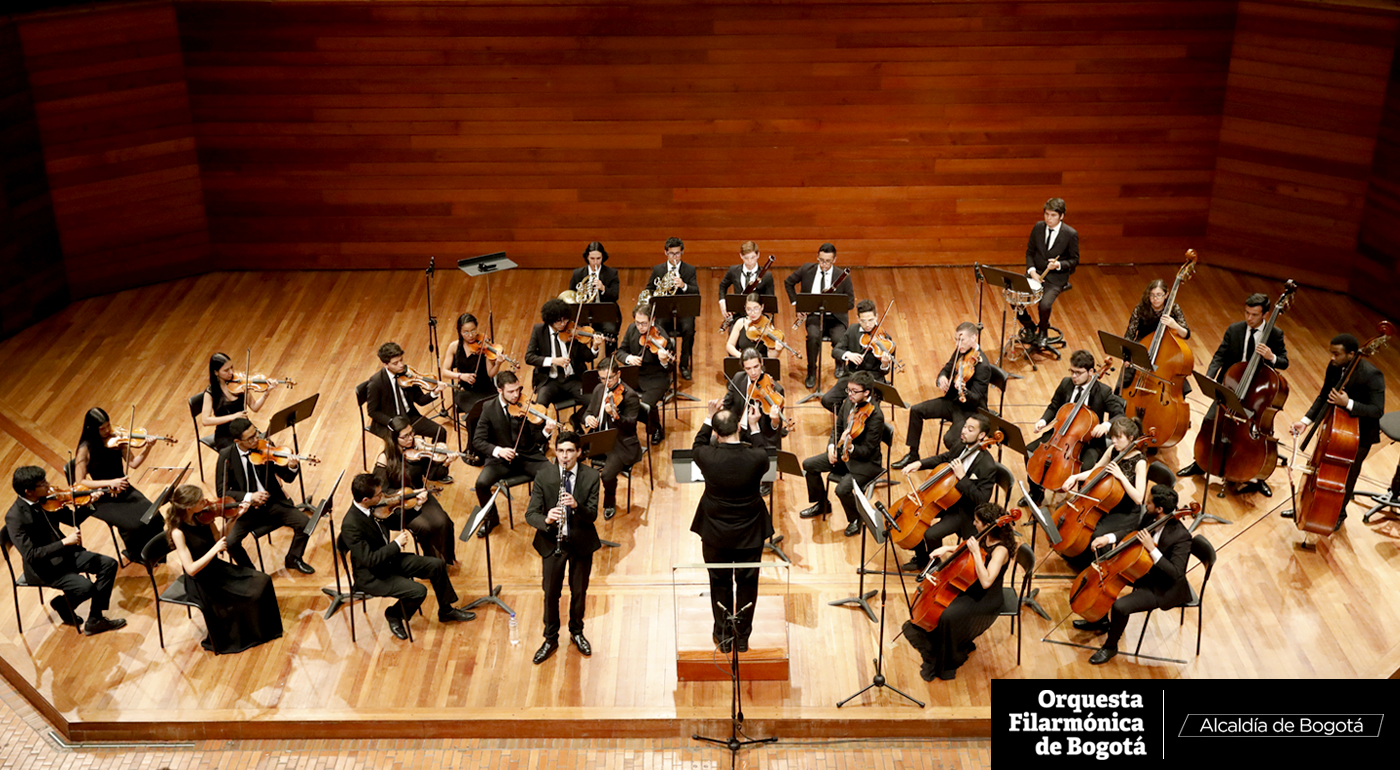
<point x="964" y="370"/>
<point x="1080" y="513"/>
<point x="946" y="581"/>
<point x="423" y="450"/>
<point x="267" y="452"/>
<point x="258" y="383"/>
<point x="1095" y="589"/>
<point x="881" y="344"/>
<point x="78" y="495"/>
<point x="1158" y="397"/>
<point x="656" y="341"/>
<point x="207" y="510"/>
<point x="765" y="331"/>
<point x="916" y="512"/>
<point x="492" y="351"/>
<point x="1057" y="458"/>
<point x="766" y="393"/>
<point x="854" y="428"/>
<point x="411" y="378"/>
<point x="135" y="438"/>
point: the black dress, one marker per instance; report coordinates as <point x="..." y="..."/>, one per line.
<point x="239" y="604"/>
<point x="124" y="509"/>
<point x="1123" y="517"/>
<point x="744" y="343"/>
<point x="466" y="394"/>
<point x="948" y="645"/>
<point x="224" y="408"/>
<point x="429" y="522"/>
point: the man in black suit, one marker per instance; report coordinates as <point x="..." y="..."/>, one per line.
<point x="51" y="558"/>
<point x="864" y="462"/>
<point x="817" y="278"/>
<point x="558" y="364"/>
<point x="382" y="568"/>
<point x="763" y="429"/>
<point x="563" y="507"/>
<point x="511" y="445"/>
<point x="654" y="374"/>
<point x="976" y="473"/>
<point x="603" y="414"/>
<point x="1052" y="253"/>
<point x="1363" y="397"/>
<point x="743" y="278"/>
<point x="1162" y="588"/>
<point x="604" y="281"/>
<point x="961" y="397"/>
<point x="385" y="399"/>
<point x="674" y="270"/>
<point x="732" y="522"/>
<point x="848" y="352"/>
<point x="1102" y="403"/>
<point x="261" y="487"/>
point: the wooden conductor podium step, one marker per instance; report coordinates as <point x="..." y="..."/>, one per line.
<point x="698" y="658"/>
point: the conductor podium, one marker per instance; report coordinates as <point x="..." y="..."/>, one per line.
<point x="699" y="659"/>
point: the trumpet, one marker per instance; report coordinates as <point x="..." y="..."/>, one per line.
<point x="583" y="293"/>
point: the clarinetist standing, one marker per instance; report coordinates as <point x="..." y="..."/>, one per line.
<point x="563" y="507"/>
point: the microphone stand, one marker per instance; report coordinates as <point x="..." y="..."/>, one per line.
<point x="433" y="346"/>
<point x="736" y="706"/>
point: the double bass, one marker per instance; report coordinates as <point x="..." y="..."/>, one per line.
<point x="916" y="511"/>
<point x="1157" y="398"/>
<point x="1094" y="590"/>
<point x="1057" y="458"/>
<point x="1080" y="513"/>
<point x="1246" y="448"/>
<point x="946" y="581"/>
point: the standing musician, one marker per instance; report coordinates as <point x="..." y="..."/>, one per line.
<point x="1131" y="472"/>
<point x="977" y="478"/>
<point x="852" y="355"/>
<point x="614" y="405"/>
<point x="863" y="463"/>
<point x="261" y="488"/>
<point x="96" y="466"/>
<point x="1052" y="254"/>
<point x="654" y="378"/>
<point x="381" y="566"/>
<point x="1102" y="402"/>
<point x="563" y="507"/>
<point x="743" y="278"/>
<point x="221" y="405"/>
<point x="964" y="381"/>
<point x="1162" y="588"/>
<point x="400" y="466"/>
<point x="731" y="520"/>
<point x="817" y="278"/>
<point x="603" y="281"/>
<point x="558" y="362"/>
<point x="739" y="340"/>
<point x="51" y="558"/>
<point x="474" y="373"/>
<point x="511" y="445"/>
<point x="1363" y="397"/>
<point x="681" y="275"/>
<point x="386" y="399"/>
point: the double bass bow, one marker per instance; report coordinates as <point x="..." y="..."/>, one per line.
<point x="1080" y="513"/>
<point x="916" y="511"/>
<point x="945" y="581"/>
<point x="1057" y="458"/>
<point x="1095" y="589"/>
<point x="1157" y="397"/>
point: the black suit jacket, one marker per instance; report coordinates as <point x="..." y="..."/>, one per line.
<point x="1102" y="402"/>
<point x="1167" y="578"/>
<point x="612" y="287"/>
<point x="372" y="557"/>
<point x="379" y="398"/>
<point x="733" y="400"/>
<point x="1066" y="249"/>
<point x="850" y="343"/>
<point x="731" y="513"/>
<point x="976" y="388"/>
<point x="802" y="278"/>
<point x="233" y="472"/>
<point x="583" y="535"/>
<point x="865" y="452"/>
<point x="35" y="534"/>
<point x="626" y="422"/>
<point x="733" y="282"/>
<point x="977" y="486"/>
<point x="542" y="347"/>
<point x="495" y="428"/>
<point x="631" y="344"/>
<point x="687" y="273"/>
<point x="1366" y="389"/>
<point x="1231" y="349"/>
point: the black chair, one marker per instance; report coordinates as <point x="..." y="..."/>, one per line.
<point x="196" y="404"/>
<point x="152" y="555"/>
<point x="1011" y="600"/>
<point x="1003" y="481"/>
<point x="342" y="551"/>
<point x="68" y="473"/>
<point x="18" y="581"/>
<point x="362" y="396"/>
<point x="1205" y="554"/>
<point x="1159" y="473"/>
<point x="515" y="480"/>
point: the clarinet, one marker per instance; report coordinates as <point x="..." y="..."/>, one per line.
<point x="563" y="533"/>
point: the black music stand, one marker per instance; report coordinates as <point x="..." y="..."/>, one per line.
<point x="594" y="444"/>
<point x="888" y="395"/>
<point x="1389" y="498"/>
<point x="1133" y="354"/>
<point x="326" y="510"/>
<point x="738" y="304"/>
<point x="1052" y="536"/>
<point x="299" y="412"/>
<point x="1011" y="436"/>
<point x="823" y="305"/>
<point x="1223" y="398"/>
<point x="595" y="313"/>
<point x="592" y="377"/>
<point x="1019" y="283"/>
<point x="164" y="496"/>
<point x="772" y="366"/>
<point x="493" y="591"/>
<point x="779" y="462"/>
<point x="487" y="264"/>
<point x="677" y="306"/>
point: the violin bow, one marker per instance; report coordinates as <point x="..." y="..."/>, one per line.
<point x="876" y="330"/>
<point x="130" y="436"/>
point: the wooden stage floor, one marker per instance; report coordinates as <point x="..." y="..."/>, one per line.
<point x="1271" y="610"/>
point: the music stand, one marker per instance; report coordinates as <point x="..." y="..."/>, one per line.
<point x="771" y="366"/>
<point x="1019" y="283"/>
<point x="299" y="412"/>
<point x="1223" y="398"/>
<point x="823" y="305"/>
<point x="593" y="377"/>
<point x="677" y="306"/>
<point x="1052" y="536"/>
<point x="597" y="313"/>
<point x="1132" y="353"/>
<point x="493" y="591"/>
<point x="325" y="510"/>
<point x="738" y="304"/>
<point x="164" y="496"/>
<point x="1388" y="498"/>
<point x="779" y="462"/>
<point x="598" y="443"/>
<point x="1011" y="437"/>
<point x="487" y="264"/>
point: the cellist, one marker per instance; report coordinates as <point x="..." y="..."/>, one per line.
<point x="1363" y="397"/>
<point x="1163" y="587"/>
<point x="1102" y="402"/>
<point x="976" y="479"/>
<point x="1131" y="471"/>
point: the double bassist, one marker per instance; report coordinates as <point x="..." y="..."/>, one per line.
<point x="1156" y="394"/>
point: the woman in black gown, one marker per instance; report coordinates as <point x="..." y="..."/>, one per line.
<point x="429" y="522"/>
<point x="738" y="335"/>
<point x="97" y="467"/>
<point x="1130" y="470"/>
<point x="948" y="645"/>
<point x="474" y="374"/>
<point x="239" y="604"/>
<point x="221" y="405"/>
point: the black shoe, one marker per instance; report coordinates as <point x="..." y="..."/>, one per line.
<point x="726" y="645"/>
<point x="609" y="512"/>
<point x="1340" y="521"/>
<point x="658" y="437"/>
<point x="813" y="511"/>
<point x="928" y="672"/>
<point x="582" y="644"/>
<point x="396" y="626"/>
<point x="908" y="459"/>
<point x="486" y="527"/>
<point x="65" y="613"/>
<point x="1288" y="514"/>
<point x="685" y="372"/>
<point x="545" y="651"/>
<point x="765" y="489"/>
<point x="447" y="480"/>
<point x="1263" y="488"/>
<point x="1104" y="655"/>
<point x="743" y="645"/>
<point x="811" y="382"/>
<point x="911" y="566"/>
<point x="98" y="624"/>
<point x="455" y="615"/>
<point x="1024" y="502"/>
<point x="300" y="566"/>
<point x="853" y="529"/>
<point x="1099" y="626"/>
<point x="1194" y="469"/>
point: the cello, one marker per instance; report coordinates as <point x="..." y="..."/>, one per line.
<point x="1245" y="448"/>
<point x="1057" y="458"/>
<point x="1157" y="397"/>
<point x="1095" y="589"/>
<point x="916" y="511"/>
<point x="1323" y="494"/>
<point x="1077" y="516"/>
<point x="942" y="583"/>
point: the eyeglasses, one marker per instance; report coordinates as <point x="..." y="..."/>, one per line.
<point x="855" y="391"/>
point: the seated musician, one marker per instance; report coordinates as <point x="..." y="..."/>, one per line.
<point x="1130" y="470"/>
<point x="604" y="281"/>
<point x="473" y="373"/>
<point x="976" y="474"/>
<point x="739" y="340"/>
<point x="559" y="363"/>
<point x="1150" y="312"/>
<point x="817" y="278"/>
<point x="761" y="429"/>
<point x="95" y="466"/>
<point x="683" y="276"/>
<point x="1052" y="254"/>
<point x="1102" y="403"/>
<point x="603" y="414"/>
<point x="221" y="405"/>
<point x="386" y="399"/>
<point x="511" y="445"/>
<point x="399" y="467"/>
<point x="261" y="487"/>
<point x="864" y="462"/>
<point x="1162" y="588"/>
<point x="743" y="278"/>
<point x="51" y="558"/>
<point x="383" y="568"/>
<point x="962" y="395"/>
<point x="948" y="645"/>
<point x="654" y="378"/>
<point x="849" y="353"/>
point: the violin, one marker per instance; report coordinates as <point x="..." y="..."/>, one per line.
<point x="916" y="511"/>
<point x="206" y="510"/>
<point x="411" y="378"/>
<point x="532" y="411"/>
<point x="1158" y="397"/>
<point x="584" y="333"/>
<point x="766" y="393"/>
<point x="136" y="438"/>
<point x="1096" y="588"/>
<point x="1057" y="458"/>
<point x="408" y="497"/>
<point x="854" y="428"/>
<point x="438" y="453"/>
<point x="845" y="273"/>
<point x="267" y="452"/>
<point x="258" y="383"/>
<point x="492" y="351"/>
<point x="965" y="368"/>
<point x="881" y="344"/>
<point x="656" y="341"/>
<point x="947" y="580"/>
<point x="78" y="496"/>
<point x="765" y="331"/>
<point x="1080" y="513"/>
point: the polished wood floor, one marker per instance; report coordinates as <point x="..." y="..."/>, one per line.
<point x="1271" y="610"/>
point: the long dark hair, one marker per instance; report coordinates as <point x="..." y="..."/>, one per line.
<point x="462" y="320"/>
<point x="93" y="421"/>
<point x="393" y="455"/>
<point x="178" y="511"/>
<point x="988" y="513"/>
<point x="216" y="362"/>
<point x="1144" y="308"/>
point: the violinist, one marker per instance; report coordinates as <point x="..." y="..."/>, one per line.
<point x="96" y="466"/>
<point x="863" y="462"/>
<point x="1052" y="254"/>
<point x="386" y="398"/>
<point x="653" y="379"/>
<point x="977" y="477"/>
<point x="964" y="380"/>
<point x="53" y="559"/>
<point x="1102" y="403"/>
<point x="558" y="357"/>
<point x="817" y="278"/>
<point x="563" y="509"/>
<point x="948" y="645"/>
<point x="762" y="429"/>
<point x="614" y="405"/>
<point x="401" y="467"/>
<point x="603" y="281"/>
<point x="1162" y="588"/>
<point x="1130" y="470"/>
<point x="682" y="276"/>
<point x="743" y="278"/>
<point x="261" y="487"/>
<point x="239" y="603"/>
<point x="1363" y="397"/>
<point x="512" y="445"/>
<point x="738" y="335"/>
<point x="221" y="405"/>
<point x="473" y="372"/>
<point x="851" y="354"/>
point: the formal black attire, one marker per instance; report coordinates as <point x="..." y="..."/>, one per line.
<point x="465" y="395"/>
<point x="1233" y="347"/>
<point x="768" y="434"/>
<point x="1126" y="516"/>
<point x="382" y="569"/>
<point x="1142" y="325"/>
<point x="807" y="278"/>
<point x="223" y="407"/>
<point x="653" y="379"/>
<point x="385" y="399"/>
<point x="575" y="552"/>
<point x="1164" y="586"/>
<point x="948" y="645"/>
<point x="122" y="510"/>
<point x="735" y="279"/>
<point x="1038" y="255"/>
<point x="733" y="523"/>
<point x="863" y="466"/>
<point x="48" y="561"/>
<point x="239" y="603"/>
<point x="1366" y="389"/>
<point x="497" y="428"/>
<point x="627" y="450"/>
<point x="948" y="407"/>
<point x="1102" y="403"/>
<point x="742" y="342"/>
<point x="556" y="383"/>
<point x="237" y="477"/>
<point x="612" y="289"/>
<point x="429" y="522"/>
<point x="682" y="326"/>
<point x="869" y="362"/>
<point x="976" y="487"/>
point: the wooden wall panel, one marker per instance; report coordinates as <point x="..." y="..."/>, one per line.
<point x="108" y="87"/>
<point x="1376" y="273"/>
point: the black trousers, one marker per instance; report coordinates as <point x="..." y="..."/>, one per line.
<point x="953" y="521"/>
<point x="729" y="587"/>
<point x="1363" y="450"/>
<point x="77" y="588"/>
<point x="684" y="328"/>
<point x="1047" y="301"/>
<point x="651" y="390"/>
<point x="941" y="408"/>
<point x="279" y="512"/>
<point x="817" y="325"/>
<point x="559" y="389"/>
<point x="579" y="566"/>
<point x="1123" y="606"/>
<point x="843" y="476"/>
<point x="614" y="463"/>
<point x="410" y="592"/>
<point x="496" y="469"/>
